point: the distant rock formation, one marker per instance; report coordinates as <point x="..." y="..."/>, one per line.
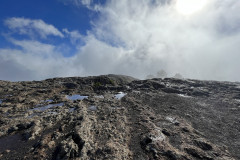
<point x="163" y="74"/>
<point x="159" y="74"/>
<point x="178" y="76"/>
<point x="119" y="117"/>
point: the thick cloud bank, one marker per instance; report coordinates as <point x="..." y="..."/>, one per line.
<point x="136" y="38"/>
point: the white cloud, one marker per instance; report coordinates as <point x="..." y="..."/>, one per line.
<point x="86" y="2"/>
<point x="75" y="36"/>
<point x="35" y="47"/>
<point x="31" y="27"/>
<point x="93" y="5"/>
<point x="200" y="45"/>
<point x="141" y="37"/>
<point x="34" y="63"/>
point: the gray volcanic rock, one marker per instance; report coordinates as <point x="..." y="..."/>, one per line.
<point x="119" y="117"/>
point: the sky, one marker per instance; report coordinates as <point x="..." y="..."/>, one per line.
<point x="42" y="39"/>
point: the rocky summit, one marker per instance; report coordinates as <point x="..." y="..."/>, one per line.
<point x="119" y="117"/>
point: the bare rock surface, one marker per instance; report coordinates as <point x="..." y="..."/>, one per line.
<point x="119" y="117"/>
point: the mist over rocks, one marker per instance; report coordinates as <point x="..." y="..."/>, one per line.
<point x="119" y="117"/>
<point x="136" y="38"/>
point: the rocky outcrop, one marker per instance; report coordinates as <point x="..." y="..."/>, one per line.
<point x="119" y="117"/>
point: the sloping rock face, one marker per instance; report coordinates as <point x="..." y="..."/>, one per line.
<point x="119" y="117"/>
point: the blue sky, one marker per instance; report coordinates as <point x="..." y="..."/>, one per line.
<point x="41" y="39"/>
<point x="61" y="14"/>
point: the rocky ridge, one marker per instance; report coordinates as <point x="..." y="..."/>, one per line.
<point x="119" y="117"/>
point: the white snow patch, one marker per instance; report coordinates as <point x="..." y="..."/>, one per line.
<point x="119" y="95"/>
<point x="76" y="97"/>
<point x="128" y="87"/>
<point x="157" y="135"/>
<point x="171" y="119"/>
<point x="238" y="87"/>
<point x="100" y="97"/>
<point x="92" y="108"/>
<point x="185" y="96"/>
<point x="72" y="109"/>
<point x="48" y="100"/>
<point x="136" y="92"/>
<point x="52" y="113"/>
<point x="46" y="107"/>
<point x="238" y="100"/>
